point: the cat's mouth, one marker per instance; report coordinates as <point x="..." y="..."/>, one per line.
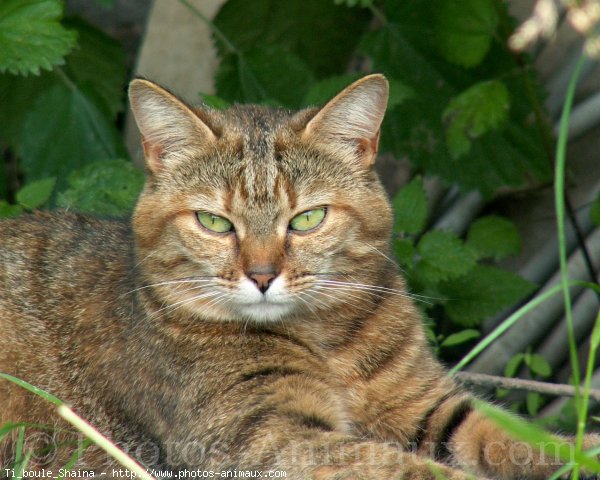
<point x="272" y="305"/>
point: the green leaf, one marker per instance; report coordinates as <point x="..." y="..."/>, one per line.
<point x="32" y="388"/>
<point x="31" y="36"/>
<point x="465" y="29"/>
<point x="513" y="364"/>
<point x="494" y="237"/>
<point x="483" y="292"/>
<point x="98" y="64"/>
<point x="460" y="337"/>
<point x="35" y="194"/>
<point x="8" y="211"/>
<point x="533" y="400"/>
<point x="405" y="49"/>
<point x="214" y="101"/>
<point x="538" y="365"/>
<point x="595" y="211"/>
<point x="17" y="96"/>
<point x="443" y="257"/>
<point x="405" y="251"/>
<point x="106" y="188"/>
<point x="477" y="110"/>
<point x="410" y="207"/>
<point x="66" y="129"/>
<point x="266" y="73"/>
<point x="322" y="34"/>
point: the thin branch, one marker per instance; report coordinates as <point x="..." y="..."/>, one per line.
<point x="555" y="389"/>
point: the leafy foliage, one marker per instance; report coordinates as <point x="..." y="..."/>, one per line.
<point x="264" y="73"/>
<point x="31" y="36"/>
<point x="482" y="292"/>
<point x="442" y="257"/>
<point x="35" y="194"/>
<point x="107" y="187"/>
<point x="62" y="120"/>
<point x="477" y="110"/>
<point x="410" y="207"/>
<point x="326" y="50"/>
<point x="465" y="29"/>
<point x="493" y="237"/>
<point x="445" y="269"/>
<point x="65" y="129"/>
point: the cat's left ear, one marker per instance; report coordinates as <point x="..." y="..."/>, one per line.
<point x="351" y="121"/>
<point x="170" y="129"/>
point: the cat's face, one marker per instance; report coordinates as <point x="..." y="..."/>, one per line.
<point x="256" y="214"/>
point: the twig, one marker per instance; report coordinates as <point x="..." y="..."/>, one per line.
<point x="555" y="389"/>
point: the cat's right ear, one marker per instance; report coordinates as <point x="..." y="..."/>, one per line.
<point x="169" y="128"/>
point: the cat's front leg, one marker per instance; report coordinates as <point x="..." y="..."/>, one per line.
<point x="331" y="456"/>
<point x="484" y="447"/>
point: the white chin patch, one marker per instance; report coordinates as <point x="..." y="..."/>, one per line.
<point x="272" y="306"/>
<point x="265" y="311"/>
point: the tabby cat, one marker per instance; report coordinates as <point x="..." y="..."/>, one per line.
<point x="248" y="318"/>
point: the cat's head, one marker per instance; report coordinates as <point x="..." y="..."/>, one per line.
<point x="261" y="214"/>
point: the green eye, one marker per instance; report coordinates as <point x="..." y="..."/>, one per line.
<point x="214" y="222"/>
<point x="308" y="220"/>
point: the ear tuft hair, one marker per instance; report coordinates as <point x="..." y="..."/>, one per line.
<point x="351" y="121"/>
<point x="169" y="128"/>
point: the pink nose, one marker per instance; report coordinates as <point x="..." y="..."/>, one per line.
<point x="262" y="280"/>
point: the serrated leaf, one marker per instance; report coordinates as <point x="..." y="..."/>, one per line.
<point x="595" y="211"/>
<point x="305" y="28"/>
<point x="513" y="364"/>
<point x="405" y="251"/>
<point x="66" y="129"/>
<point x="214" y="101"/>
<point x="465" y="29"/>
<point x="538" y="365"/>
<point x="99" y="64"/>
<point x="267" y="73"/>
<point x="483" y="292"/>
<point x="460" y="337"/>
<point x="107" y="188"/>
<point x="31" y="36"/>
<point x="35" y="194"/>
<point x="410" y="207"/>
<point x="494" y="237"/>
<point x="8" y="210"/>
<point x="405" y="49"/>
<point x="477" y="110"/>
<point x="443" y="256"/>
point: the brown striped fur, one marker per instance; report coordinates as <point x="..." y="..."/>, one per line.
<point x="156" y="333"/>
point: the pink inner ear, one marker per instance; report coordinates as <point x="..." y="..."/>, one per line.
<point x="154" y="153"/>
<point x="366" y="149"/>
